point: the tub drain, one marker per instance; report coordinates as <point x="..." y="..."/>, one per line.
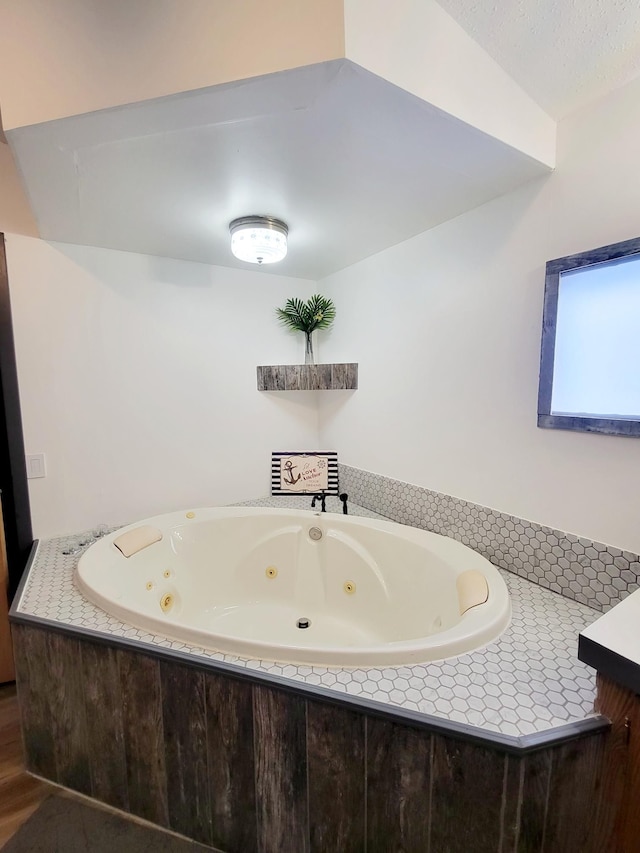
<point x="303" y="623"/>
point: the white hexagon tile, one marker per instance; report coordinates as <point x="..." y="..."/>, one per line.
<point x="529" y="681"/>
<point x="589" y="572"/>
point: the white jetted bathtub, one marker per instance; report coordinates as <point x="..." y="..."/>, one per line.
<point x="289" y="585"/>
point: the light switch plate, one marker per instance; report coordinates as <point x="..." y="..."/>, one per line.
<point x="36" y="466"/>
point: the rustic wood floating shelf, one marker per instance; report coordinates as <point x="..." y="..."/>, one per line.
<point x="307" y="377"/>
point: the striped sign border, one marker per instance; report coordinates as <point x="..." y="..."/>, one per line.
<point x="332" y="461"/>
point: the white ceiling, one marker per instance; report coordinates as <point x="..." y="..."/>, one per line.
<point x="351" y="162"/>
<point x="563" y="53"/>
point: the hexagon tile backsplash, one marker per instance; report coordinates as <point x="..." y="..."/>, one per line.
<point x="589" y="572"/>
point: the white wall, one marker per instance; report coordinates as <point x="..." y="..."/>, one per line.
<point x="137" y="380"/>
<point x="73" y="56"/>
<point x="15" y="212"/>
<point x="416" y="45"/>
<point x="446" y="329"/>
<point x="137" y="373"/>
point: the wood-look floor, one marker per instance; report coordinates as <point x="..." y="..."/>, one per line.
<point x="20" y="794"/>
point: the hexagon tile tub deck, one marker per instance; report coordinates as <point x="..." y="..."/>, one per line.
<point x="524" y="683"/>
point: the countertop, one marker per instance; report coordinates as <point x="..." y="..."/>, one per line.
<point x="611" y="644"/>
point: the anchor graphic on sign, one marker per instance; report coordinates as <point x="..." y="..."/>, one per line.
<point x="289" y="469"/>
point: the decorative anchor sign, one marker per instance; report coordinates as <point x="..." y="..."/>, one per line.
<point x="288" y="476"/>
<point x="304" y="473"/>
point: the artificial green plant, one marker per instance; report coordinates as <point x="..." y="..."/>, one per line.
<point x="317" y="313"/>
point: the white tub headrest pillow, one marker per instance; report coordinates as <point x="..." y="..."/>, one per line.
<point x="135" y="540"/>
<point x="473" y="589"/>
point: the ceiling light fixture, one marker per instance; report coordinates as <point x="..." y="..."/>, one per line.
<point x="258" y="239"/>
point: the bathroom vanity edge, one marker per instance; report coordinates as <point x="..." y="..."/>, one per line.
<point x="613" y="665"/>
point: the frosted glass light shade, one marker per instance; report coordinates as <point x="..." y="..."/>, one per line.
<point x="258" y="239"/>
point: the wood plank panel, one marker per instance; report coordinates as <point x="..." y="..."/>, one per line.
<point x="296" y="378"/>
<point x="281" y="771"/>
<point x="185" y="734"/>
<point x="512" y="801"/>
<point x="143" y="736"/>
<point x="575" y="777"/>
<point x="68" y="717"/>
<point x="534" y="802"/>
<point x="231" y="763"/>
<point x="467" y="797"/>
<point x="319" y="376"/>
<point x="33" y="682"/>
<point x="105" y="727"/>
<point x="336" y="757"/>
<point x="398" y="788"/>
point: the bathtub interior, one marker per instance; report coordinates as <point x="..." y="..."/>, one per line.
<point x="390" y="589"/>
<point x="253" y="576"/>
